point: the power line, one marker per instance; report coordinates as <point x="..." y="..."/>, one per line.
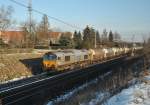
<point x="54" y="18"/>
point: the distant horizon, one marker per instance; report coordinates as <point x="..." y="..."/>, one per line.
<point x="126" y="17"/>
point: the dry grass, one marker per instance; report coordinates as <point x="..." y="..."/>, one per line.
<point x="15" y="50"/>
<point x="11" y="67"/>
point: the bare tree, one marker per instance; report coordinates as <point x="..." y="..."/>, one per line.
<point x="29" y="37"/>
<point x="5" y="17"/>
<point x="104" y="35"/>
<point x="43" y="29"/>
<point x="146" y="49"/>
<point x="111" y="36"/>
<point x="5" y="20"/>
<point x="117" y="36"/>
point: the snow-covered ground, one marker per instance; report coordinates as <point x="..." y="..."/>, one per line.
<point x="75" y="91"/>
<point x="139" y="94"/>
<point x="70" y="93"/>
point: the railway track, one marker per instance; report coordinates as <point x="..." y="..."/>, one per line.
<point x="23" y="93"/>
<point x="12" y="84"/>
<point x="22" y="82"/>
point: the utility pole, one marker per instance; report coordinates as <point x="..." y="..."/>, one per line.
<point x="30" y="15"/>
<point x="95" y="41"/>
<point x="30" y="21"/>
<point x="132" y="53"/>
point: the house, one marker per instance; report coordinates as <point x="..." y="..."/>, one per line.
<point x="54" y="37"/>
<point x="19" y="36"/>
<point x="12" y="36"/>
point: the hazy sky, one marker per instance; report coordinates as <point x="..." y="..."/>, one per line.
<point x="128" y="17"/>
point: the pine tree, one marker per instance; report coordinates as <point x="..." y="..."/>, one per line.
<point x="110" y="36"/>
<point x="86" y="38"/>
<point x="66" y="41"/>
<point x="77" y="39"/>
<point x="89" y="35"/>
<point x="80" y="40"/>
<point x="92" y="38"/>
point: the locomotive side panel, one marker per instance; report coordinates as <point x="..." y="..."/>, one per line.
<point x="62" y="60"/>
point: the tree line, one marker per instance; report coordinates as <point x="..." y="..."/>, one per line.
<point x="90" y="38"/>
<point x="38" y="33"/>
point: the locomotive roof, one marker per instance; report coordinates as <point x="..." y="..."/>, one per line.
<point x="69" y="52"/>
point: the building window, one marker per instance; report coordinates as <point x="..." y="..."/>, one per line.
<point x="67" y="58"/>
<point x="85" y="56"/>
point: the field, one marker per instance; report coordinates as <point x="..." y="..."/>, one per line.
<point x="19" y="65"/>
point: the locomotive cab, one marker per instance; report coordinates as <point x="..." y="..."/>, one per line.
<point x="49" y="61"/>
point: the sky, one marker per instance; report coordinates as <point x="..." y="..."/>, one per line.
<point x="128" y="17"/>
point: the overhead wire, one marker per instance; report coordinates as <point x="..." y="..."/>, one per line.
<point x="54" y="18"/>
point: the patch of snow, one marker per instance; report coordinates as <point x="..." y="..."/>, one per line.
<point x="15" y="79"/>
<point x="139" y="94"/>
<point x="67" y="95"/>
<point x="99" y="97"/>
<point x="147" y="78"/>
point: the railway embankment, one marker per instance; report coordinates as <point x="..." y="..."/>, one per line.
<point x="40" y="91"/>
<point x="19" y="65"/>
<point x="99" y="90"/>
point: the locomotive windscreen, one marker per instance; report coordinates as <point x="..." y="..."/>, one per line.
<point x="49" y="57"/>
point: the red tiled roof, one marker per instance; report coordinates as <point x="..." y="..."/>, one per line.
<point x="12" y="35"/>
<point x="19" y="35"/>
<point x="54" y="34"/>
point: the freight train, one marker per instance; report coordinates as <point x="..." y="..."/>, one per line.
<point x="69" y="59"/>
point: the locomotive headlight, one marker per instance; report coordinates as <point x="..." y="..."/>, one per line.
<point x="45" y="64"/>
